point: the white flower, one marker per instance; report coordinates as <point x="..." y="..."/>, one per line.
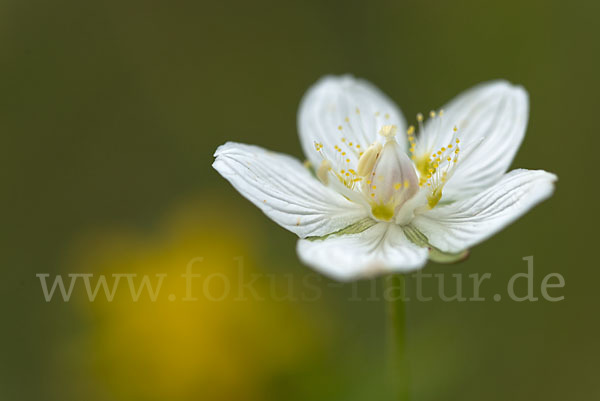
<point x="384" y="198"/>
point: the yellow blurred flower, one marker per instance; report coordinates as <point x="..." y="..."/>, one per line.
<point x="204" y="349"/>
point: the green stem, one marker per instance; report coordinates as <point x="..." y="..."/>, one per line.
<point x="398" y="363"/>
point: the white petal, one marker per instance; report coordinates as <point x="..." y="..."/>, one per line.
<point x="379" y="249"/>
<point x="355" y="106"/>
<point x="285" y="190"/>
<point x="491" y="119"/>
<point x="460" y="225"/>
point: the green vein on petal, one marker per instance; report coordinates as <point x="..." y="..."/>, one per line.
<point x="353" y="228"/>
<point x="435" y="255"/>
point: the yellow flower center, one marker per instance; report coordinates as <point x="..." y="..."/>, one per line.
<point x="383" y="173"/>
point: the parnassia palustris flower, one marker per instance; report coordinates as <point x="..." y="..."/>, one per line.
<point x="377" y="196"/>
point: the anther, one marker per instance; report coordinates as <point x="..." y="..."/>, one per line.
<point x="323" y="172"/>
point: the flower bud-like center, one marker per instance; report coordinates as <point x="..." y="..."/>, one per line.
<point x="389" y="177"/>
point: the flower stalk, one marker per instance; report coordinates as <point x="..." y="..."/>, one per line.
<point x="399" y="372"/>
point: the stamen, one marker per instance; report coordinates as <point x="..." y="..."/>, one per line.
<point x="441" y="165"/>
<point x="323" y="172"/>
<point x="420" y="123"/>
<point x="349" y="178"/>
<point x="410" y="132"/>
<point x="367" y="159"/>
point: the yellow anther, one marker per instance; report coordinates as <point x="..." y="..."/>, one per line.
<point x="347" y="160"/>
<point x="347" y="119"/>
<point x="397" y="186"/>
<point x="441" y="113"/>
<point x="340" y="127"/>
<point x="367" y="159"/>
<point x="411" y="130"/>
<point x="343" y="153"/>
<point x="455" y="129"/>
<point x="387" y="116"/>
<point x="406" y="183"/>
<point x="357" y="110"/>
<point x="432" y="114"/>
<point x="419" y="117"/>
<point x="374" y="186"/>
<point x="457" y="140"/>
<point x="357" y="146"/>
<point x="343" y="139"/>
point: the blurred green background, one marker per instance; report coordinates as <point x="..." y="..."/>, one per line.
<point x="110" y="114"/>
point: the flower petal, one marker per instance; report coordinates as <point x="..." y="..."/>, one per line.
<point x="458" y="226"/>
<point x="379" y="249"/>
<point x="491" y="119"/>
<point x="337" y="111"/>
<point x="285" y="190"/>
